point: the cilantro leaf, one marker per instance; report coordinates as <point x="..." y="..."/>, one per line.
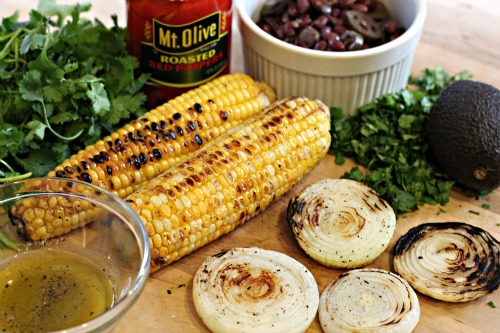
<point x="10" y="137"/>
<point x="387" y="138"/>
<point x="50" y="8"/>
<point x="31" y="86"/>
<point x="38" y="160"/>
<point x="36" y="130"/>
<point x="122" y="106"/>
<point x="65" y="82"/>
<point x="99" y="98"/>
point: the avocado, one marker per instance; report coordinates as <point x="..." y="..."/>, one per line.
<point x="463" y="131"/>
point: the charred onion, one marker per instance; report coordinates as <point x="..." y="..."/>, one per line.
<point x="369" y="300"/>
<point x="450" y="261"/>
<point x="341" y="223"/>
<point x="255" y="290"/>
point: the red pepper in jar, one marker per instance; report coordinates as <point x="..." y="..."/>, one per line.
<point x="181" y="43"/>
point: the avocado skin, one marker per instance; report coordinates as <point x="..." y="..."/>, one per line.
<point x="463" y="130"/>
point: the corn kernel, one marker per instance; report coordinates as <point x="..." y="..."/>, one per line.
<point x="156" y="239"/>
<point x="146" y="213"/>
<point x="158" y="226"/>
<point x="41" y="232"/>
<point x="174" y="220"/>
<point x="185" y="201"/>
<point x="156" y="201"/>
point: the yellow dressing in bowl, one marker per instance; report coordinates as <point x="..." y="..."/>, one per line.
<point x="46" y="290"/>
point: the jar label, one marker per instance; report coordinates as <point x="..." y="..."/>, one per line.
<point x="185" y="55"/>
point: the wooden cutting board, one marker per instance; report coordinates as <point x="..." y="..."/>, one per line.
<point x="458" y="35"/>
<point x="166" y="304"/>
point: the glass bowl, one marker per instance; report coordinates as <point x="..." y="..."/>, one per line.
<point x="95" y="242"/>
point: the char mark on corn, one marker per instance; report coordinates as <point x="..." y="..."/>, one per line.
<point x="217" y="188"/>
<point x="231" y="179"/>
<point x="141" y="150"/>
<point x="47" y="216"/>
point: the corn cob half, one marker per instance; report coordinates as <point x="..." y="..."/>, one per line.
<point x="141" y="150"/>
<point x="217" y="188"/>
<point x="47" y="216"/>
<point x="232" y="178"/>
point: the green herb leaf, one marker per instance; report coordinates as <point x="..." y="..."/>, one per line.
<point x="122" y="106"/>
<point x="387" y="138"/>
<point x="36" y="130"/>
<point x="65" y="82"/>
<point x="99" y="98"/>
<point x="339" y="159"/>
<point x="31" y="86"/>
<point x="39" y="159"/>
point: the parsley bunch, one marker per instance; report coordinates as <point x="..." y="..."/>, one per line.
<point x="65" y="82"/>
<point x="388" y="139"/>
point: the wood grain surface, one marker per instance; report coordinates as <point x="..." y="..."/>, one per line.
<point x="458" y="35"/>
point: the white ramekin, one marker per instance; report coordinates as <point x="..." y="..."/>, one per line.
<point x="340" y="79"/>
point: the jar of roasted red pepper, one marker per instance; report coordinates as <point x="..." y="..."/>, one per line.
<point x="180" y="43"/>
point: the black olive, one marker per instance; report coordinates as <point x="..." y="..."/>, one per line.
<point x="364" y="25"/>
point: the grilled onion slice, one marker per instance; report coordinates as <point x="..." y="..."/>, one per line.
<point x="450" y="261"/>
<point x="368" y="300"/>
<point x="341" y="223"/>
<point x="255" y="290"/>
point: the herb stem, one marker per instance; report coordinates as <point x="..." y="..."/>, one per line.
<point x="13" y="178"/>
<point x="7" y="165"/>
<point x="47" y="123"/>
<point x="6" y="241"/>
<point x="48" y="87"/>
<point x="6" y="48"/>
<point x="11" y="35"/>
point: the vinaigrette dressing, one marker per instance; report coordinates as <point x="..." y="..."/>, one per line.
<point x="48" y="290"/>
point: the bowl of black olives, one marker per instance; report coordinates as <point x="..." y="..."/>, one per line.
<point x="343" y="52"/>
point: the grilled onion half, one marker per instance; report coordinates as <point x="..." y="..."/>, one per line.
<point x="341" y="223"/>
<point x="255" y="290"/>
<point x="449" y="261"/>
<point x="369" y="300"/>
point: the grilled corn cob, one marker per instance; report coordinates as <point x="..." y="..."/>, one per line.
<point x="232" y="178"/>
<point x="217" y="188"/>
<point x="125" y="160"/>
<point x="44" y="217"/>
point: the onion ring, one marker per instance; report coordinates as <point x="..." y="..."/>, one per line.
<point x="255" y="290"/>
<point x="341" y="223"/>
<point x="449" y="261"/>
<point x="369" y="300"/>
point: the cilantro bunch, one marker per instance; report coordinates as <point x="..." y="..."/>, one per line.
<point x="388" y="139"/>
<point x="65" y="82"/>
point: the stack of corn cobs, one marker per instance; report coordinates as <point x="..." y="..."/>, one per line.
<point x="197" y="166"/>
